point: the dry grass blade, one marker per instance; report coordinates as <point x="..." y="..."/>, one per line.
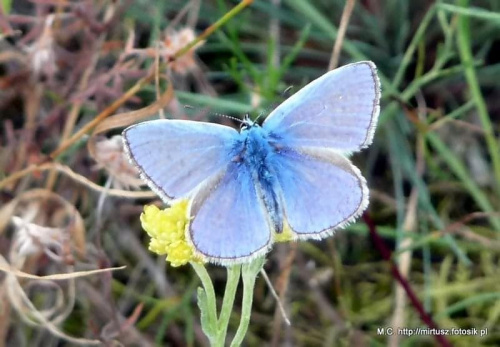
<point x="30" y="241"/>
<point x="78" y="178"/>
<point x="104" y="114"/>
<point x="275" y="296"/>
<point x="410" y="225"/>
<point x="75" y="110"/>
<point x="55" y="277"/>
<point x="114" y="159"/>
<point x="127" y="118"/>
<point x="32" y="316"/>
<point x="282" y="286"/>
<point x="344" y="22"/>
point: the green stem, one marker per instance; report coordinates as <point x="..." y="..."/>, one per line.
<point x="246" y="311"/>
<point x="392" y="109"/>
<point x="233" y="278"/>
<point x="466" y="57"/>
<point x="475" y="12"/>
<point x="209" y="305"/>
<point x="408" y="56"/>
<point x="249" y="274"/>
<point x="460" y="171"/>
<point x="238" y="8"/>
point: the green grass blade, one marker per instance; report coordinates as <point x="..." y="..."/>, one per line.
<point x="459" y="170"/>
<point x="464" y="47"/>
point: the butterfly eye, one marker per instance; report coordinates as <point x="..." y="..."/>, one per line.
<point x="247" y="123"/>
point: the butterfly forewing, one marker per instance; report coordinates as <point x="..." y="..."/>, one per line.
<point x="175" y="156"/>
<point x="339" y="111"/>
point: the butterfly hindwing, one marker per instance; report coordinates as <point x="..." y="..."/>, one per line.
<point x="321" y="190"/>
<point x="229" y="220"/>
<point x="339" y="110"/>
<point x="175" y="156"/>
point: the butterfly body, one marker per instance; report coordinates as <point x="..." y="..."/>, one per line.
<point x="258" y="156"/>
<point x="244" y="186"/>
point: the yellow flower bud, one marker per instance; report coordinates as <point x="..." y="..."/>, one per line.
<point x="167" y="230"/>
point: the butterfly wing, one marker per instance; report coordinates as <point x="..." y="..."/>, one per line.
<point x="320" y="189"/>
<point x="175" y="156"/>
<point x="339" y="110"/>
<point x="230" y="222"/>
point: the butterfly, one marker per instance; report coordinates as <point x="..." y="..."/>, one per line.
<point x="291" y="172"/>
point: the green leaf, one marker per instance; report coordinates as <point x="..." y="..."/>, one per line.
<point x="206" y="325"/>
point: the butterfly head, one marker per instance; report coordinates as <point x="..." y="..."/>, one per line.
<point x="248" y="123"/>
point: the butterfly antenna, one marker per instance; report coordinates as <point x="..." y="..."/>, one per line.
<point x="287" y="91"/>
<point x="226" y="116"/>
<point x="268" y="109"/>
<point x="216" y="114"/>
<point x="275" y="295"/>
<point x="259" y="116"/>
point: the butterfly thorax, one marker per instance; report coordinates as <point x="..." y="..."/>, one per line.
<point x="256" y="150"/>
<point x="256" y="153"/>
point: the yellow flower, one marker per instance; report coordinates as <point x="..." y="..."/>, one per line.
<point x="167" y="231"/>
<point x="286" y="235"/>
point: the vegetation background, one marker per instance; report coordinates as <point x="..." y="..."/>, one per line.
<point x="69" y="202"/>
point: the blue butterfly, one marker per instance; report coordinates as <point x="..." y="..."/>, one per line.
<point x="244" y="186"/>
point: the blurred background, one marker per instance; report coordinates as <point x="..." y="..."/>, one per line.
<point x="73" y="74"/>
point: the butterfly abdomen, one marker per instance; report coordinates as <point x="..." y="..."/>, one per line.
<point x="258" y="156"/>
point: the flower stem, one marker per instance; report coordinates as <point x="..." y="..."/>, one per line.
<point x="233" y="278"/>
<point x="249" y="273"/>
<point x="207" y="303"/>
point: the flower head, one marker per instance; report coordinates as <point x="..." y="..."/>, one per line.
<point x="42" y="52"/>
<point x="167" y="231"/>
<point x="31" y="238"/>
<point x="286" y="235"/>
<point x="109" y="155"/>
<point x="174" y="42"/>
